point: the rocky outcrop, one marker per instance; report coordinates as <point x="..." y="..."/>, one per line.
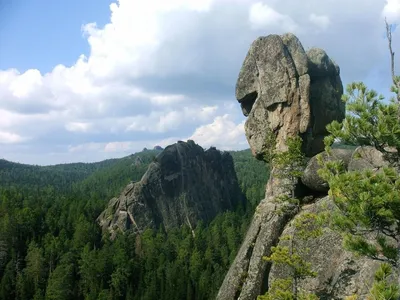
<point x="183" y="185"/>
<point x="310" y="177"/>
<point x="340" y="272"/>
<point x="287" y="92"/>
<point x="361" y="158"/>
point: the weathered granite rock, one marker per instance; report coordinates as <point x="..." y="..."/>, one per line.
<point x="310" y="177"/>
<point x="246" y="275"/>
<point x="285" y="91"/>
<point x="183" y="185"/>
<point x="326" y="90"/>
<point x="367" y="157"/>
<point x="340" y="273"/>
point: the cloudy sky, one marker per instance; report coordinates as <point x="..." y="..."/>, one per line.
<point x="85" y="80"/>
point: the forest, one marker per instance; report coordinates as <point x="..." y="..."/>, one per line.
<point x="52" y="248"/>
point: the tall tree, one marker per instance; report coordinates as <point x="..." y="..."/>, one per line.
<point x="369" y="201"/>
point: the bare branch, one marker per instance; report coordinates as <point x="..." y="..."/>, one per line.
<point x="395" y="79"/>
<point x="389" y="37"/>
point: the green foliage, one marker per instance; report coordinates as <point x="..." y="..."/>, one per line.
<point x="369" y="121"/>
<point x="368" y="201"/>
<point x="290" y="163"/>
<point x="252" y="176"/>
<point x="382" y="289"/>
<point x="269" y="150"/>
<point x="288" y="167"/>
<point x="292" y="255"/>
<point x="52" y="248"/>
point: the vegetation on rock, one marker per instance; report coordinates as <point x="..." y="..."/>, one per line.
<point x="368" y="200"/>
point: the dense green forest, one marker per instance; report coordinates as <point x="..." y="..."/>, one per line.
<point x="52" y="248"/>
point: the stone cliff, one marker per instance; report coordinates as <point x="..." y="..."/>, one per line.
<point x="183" y="185"/>
<point x="285" y="92"/>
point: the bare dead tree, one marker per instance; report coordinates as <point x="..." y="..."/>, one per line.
<point x="395" y="79"/>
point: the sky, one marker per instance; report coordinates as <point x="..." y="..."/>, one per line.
<point x="87" y="80"/>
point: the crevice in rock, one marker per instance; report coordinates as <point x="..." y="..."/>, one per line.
<point x="286" y="219"/>
<point x="306" y="194"/>
<point x="247" y="102"/>
<point x="248" y="256"/>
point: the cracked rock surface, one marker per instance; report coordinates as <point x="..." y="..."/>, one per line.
<point x="285" y="92"/>
<point x="183" y="185"/>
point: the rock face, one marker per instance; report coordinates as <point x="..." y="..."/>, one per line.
<point x="183" y="185"/>
<point x="367" y="158"/>
<point x="340" y="273"/>
<point x="285" y="91"/>
<point x="310" y="176"/>
<point x="361" y="158"/>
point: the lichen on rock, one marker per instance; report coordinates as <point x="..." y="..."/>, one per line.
<point x="287" y="92"/>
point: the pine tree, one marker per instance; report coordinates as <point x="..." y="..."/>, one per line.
<point x="367" y="201"/>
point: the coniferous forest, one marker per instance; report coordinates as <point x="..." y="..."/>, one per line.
<point x="51" y="246"/>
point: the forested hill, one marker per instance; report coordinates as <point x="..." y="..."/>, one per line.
<point x="52" y="248"/>
<point x="63" y="177"/>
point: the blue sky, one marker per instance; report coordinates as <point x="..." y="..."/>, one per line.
<point x="93" y="79"/>
<point x="43" y="33"/>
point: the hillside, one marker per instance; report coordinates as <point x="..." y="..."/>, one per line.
<point x="52" y="248"/>
<point x="63" y="176"/>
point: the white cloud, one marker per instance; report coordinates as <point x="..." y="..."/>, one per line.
<point x="162" y="68"/>
<point x="263" y="16"/>
<point x="10" y="138"/>
<point x="222" y="133"/>
<point x="87" y="147"/>
<point x="391" y="11"/>
<point x="118" y="146"/>
<point x="164" y="121"/>
<point x="321" y="21"/>
<point x="167" y="99"/>
<point x="78" y="126"/>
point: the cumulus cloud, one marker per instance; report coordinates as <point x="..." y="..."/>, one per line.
<point x="391" y="11"/>
<point x="78" y="126"/>
<point x="262" y="16"/>
<point x="147" y="79"/>
<point x="10" y="138"/>
<point x="161" y="121"/>
<point x="222" y="133"/>
<point x="322" y="21"/>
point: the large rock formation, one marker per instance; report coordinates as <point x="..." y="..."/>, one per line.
<point x="287" y="92"/>
<point x="183" y="185"/>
